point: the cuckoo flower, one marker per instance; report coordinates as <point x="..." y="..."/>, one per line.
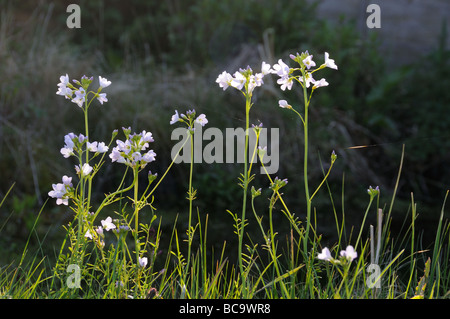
<point x="131" y="152"/>
<point x="244" y="79"/>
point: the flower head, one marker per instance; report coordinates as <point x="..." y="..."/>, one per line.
<point x="143" y="261"/>
<point x="266" y="69"/>
<point x="373" y="191"/>
<point x="285" y="83"/>
<point x="281" y="69"/>
<point x="129" y="152"/>
<point x="107" y="224"/>
<point x="103" y="82"/>
<point x="308" y="79"/>
<point x="61" y="191"/>
<point x="102" y="98"/>
<point x="238" y="81"/>
<point x="201" y="119"/>
<point x="65" y="91"/>
<point x="175" y="118"/>
<point x="244" y="78"/>
<point x="79" y="98"/>
<point x="329" y="63"/>
<point x="320" y="83"/>
<point x="308" y="62"/>
<point x="85" y="170"/>
<point x="325" y="255"/>
<point x="349" y="253"/>
<point x="224" y="80"/>
<point x="284" y="104"/>
<point x="88" y="234"/>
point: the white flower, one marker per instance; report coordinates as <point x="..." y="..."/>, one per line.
<point x="86" y="169"/>
<point x="107" y="224"/>
<point x="79" y="98"/>
<point x="149" y="156"/>
<point x="88" y="234"/>
<point x="143" y="261"/>
<point x="201" y="119"/>
<point x="238" y="81"/>
<point x="67" y="152"/>
<point x="103" y="82"/>
<point x="92" y="147"/>
<point x="308" y="62"/>
<point x="59" y="190"/>
<point x="136" y="156"/>
<point x="102" y="148"/>
<point x="281" y="69"/>
<point x="265" y="68"/>
<point x="146" y="137"/>
<point x="175" y="118"/>
<point x="285" y="82"/>
<point x="258" y="79"/>
<point x="64" y="91"/>
<point x="329" y="62"/>
<point x="349" y="253"/>
<point x="325" y="254"/>
<point x="116" y="156"/>
<point x="309" y="79"/>
<point x="224" y="80"/>
<point x="102" y="98"/>
<point x="284" y="104"/>
<point x="99" y="230"/>
<point x="320" y="83"/>
<point x="64" y="80"/>
<point x="67" y="180"/>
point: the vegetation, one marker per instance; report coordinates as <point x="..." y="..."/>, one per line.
<point x="214" y="231"/>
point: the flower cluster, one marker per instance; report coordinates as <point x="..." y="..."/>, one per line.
<point x="62" y="191"/>
<point x="373" y="192"/>
<point x="73" y="144"/>
<point x="189" y="118"/>
<point x="244" y="78"/>
<point x="130" y="152"/>
<point x="278" y="183"/>
<point x="78" y="94"/>
<point x="107" y="225"/>
<point x="347" y="255"/>
<point x="305" y="78"/>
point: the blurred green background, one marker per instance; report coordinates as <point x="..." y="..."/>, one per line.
<point x="166" y="55"/>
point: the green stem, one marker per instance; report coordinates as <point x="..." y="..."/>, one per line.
<point x="167" y="170"/>
<point x="136" y="214"/>
<point x="191" y="198"/>
<point x="324" y="179"/>
<point x="245" y="186"/>
<point x="305" y="167"/>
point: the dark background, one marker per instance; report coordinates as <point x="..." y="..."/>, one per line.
<point x="391" y="89"/>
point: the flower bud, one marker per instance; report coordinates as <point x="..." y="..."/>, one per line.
<point x="333" y="156"/>
<point x="151" y="177"/>
<point x="373" y="191"/>
<point x="255" y="192"/>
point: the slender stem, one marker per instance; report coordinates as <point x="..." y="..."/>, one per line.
<point x="136" y="214"/>
<point x="191" y="195"/>
<point x="324" y="179"/>
<point x="305" y="166"/>
<point x="168" y="168"/>
<point x="245" y="186"/>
